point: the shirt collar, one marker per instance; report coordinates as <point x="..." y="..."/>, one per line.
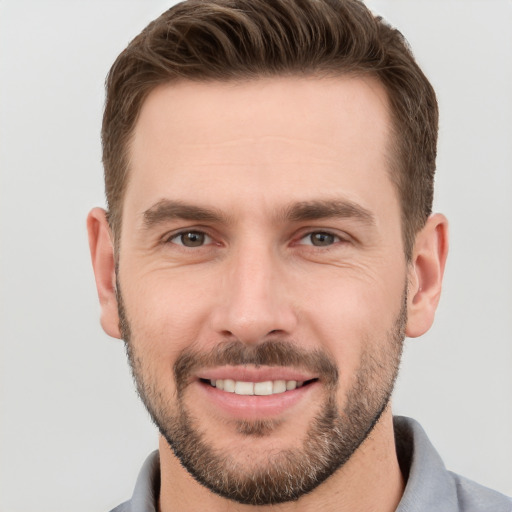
<point x="147" y="487"/>
<point x="429" y="484"/>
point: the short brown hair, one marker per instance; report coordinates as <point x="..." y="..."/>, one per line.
<point x="222" y="40"/>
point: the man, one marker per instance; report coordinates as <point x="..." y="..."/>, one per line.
<point x="268" y="245"/>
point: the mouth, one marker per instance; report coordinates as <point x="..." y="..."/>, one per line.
<point x="259" y="388"/>
<point x="250" y="392"/>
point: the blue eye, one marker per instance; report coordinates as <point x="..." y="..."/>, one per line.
<point x="191" y="239"/>
<point x="320" y="239"/>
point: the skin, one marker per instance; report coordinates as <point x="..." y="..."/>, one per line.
<point x="249" y="152"/>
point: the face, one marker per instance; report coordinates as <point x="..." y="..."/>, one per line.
<point x="261" y="277"/>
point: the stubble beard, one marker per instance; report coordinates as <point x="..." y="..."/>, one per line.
<point x="331" y="439"/>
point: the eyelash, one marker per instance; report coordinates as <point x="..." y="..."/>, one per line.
<point x="336" y="238"/>
<point x="169" y="239"/>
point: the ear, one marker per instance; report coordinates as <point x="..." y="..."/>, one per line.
<point x="426" y="274"/>
<point x="103" y="262"/>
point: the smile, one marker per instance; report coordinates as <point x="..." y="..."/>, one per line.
<point x="268" y="387"/>
<point x="247" y="393"/>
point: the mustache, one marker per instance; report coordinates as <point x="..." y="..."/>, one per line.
<point x="271" y="352"/>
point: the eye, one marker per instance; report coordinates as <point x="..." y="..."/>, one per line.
<point x="191" y="239"/>
<point x="320" y="239"/>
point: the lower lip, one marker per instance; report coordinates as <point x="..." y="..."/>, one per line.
<point x="254" y="406"/>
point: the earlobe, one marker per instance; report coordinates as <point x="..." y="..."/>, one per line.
<point x="103" y="262"/>
<point x="426" y="274"/>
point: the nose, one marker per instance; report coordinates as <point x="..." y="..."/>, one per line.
<point x="254" y="298"/>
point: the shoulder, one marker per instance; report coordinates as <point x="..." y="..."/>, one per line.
<point x="473" y="497"/>
<point x="430" y="486"/>
<point x="124" y="507"/>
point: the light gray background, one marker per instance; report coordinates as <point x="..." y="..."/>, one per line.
<point x="72" y="432"/>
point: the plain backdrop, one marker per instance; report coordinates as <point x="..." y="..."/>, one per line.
<point x="72" y="432"/>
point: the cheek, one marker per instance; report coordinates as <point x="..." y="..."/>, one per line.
<point x="166" y="314"/>
<point x="351" y="316"/>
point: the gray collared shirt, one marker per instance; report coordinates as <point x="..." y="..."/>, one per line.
<point x="430" y="486"/>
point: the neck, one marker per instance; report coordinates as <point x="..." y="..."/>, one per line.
<point x="370" y="480"/>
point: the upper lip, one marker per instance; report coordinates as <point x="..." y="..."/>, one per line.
<point x="255" y="374"/>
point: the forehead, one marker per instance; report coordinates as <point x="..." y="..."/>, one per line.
<point x="283" y="139"/>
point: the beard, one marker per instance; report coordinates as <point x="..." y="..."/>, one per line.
<point x="332" y="436"/>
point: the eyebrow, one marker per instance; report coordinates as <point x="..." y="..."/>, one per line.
<point x="315" y="210"/>
<point x="167" y="209"/>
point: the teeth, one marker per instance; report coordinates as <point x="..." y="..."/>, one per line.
<point x="291" y="384"/>
<point x="244" y="388"/>
<point x="263" y="388"/>
<point x="229" y="385"/>
<point x="268" y="387"/>
<point x="279" y="386"/>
